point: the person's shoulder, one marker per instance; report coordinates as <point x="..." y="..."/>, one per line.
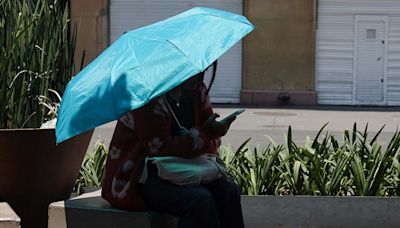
<point x="151" y="104"/>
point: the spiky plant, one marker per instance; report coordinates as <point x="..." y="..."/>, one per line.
<point x="36" y="56"/>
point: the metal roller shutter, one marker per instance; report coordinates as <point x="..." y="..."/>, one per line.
<point x="341" y="52"/>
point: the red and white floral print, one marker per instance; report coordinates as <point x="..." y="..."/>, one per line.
<point x="160" y="108"/>
<point x="128" y="121"/>
<point x="146" y="132"/>
<point x="114" y="153"/>
<point x="128" y="166"/>
<point x="119" y="188"/>
<point x="155" y="145"/>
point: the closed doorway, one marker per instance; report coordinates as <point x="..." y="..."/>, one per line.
<point x="370" y="60"/>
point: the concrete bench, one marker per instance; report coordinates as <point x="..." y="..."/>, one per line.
<point x="8" y="218"/>
<point x="91" y="210"/>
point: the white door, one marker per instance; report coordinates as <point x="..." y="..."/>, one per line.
<point x="370" y="60"/>
<point x="127" y="15"/>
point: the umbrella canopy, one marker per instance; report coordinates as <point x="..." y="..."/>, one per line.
<point x="145" y="63"/>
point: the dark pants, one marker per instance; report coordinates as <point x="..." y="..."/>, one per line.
<point x="212" y="205"/>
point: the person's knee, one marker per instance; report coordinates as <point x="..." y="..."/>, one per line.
<point x="203" y="196"/>
<point x="234" y="189"/>
<point x="202" y="200"/>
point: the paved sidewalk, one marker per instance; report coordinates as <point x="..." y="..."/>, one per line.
<point x="305" y="121"/>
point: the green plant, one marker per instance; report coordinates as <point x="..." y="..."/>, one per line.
<point x="294" y="177"/>
<point x="51" y="104"/>
<point x="92" y="168"/>
<point x="36" y="57"/>
<point x="358" y="166"/>
<point x="323" y="166"/>
<point x="255" y="171"/>
<point x="371" y="164"/>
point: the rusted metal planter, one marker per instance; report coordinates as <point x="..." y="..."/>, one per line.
<point x="35" y="172"/>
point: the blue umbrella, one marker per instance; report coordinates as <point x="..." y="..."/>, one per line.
<point x="145" y="63"/>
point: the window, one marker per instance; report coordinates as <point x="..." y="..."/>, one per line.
<point x="371" y="34"/>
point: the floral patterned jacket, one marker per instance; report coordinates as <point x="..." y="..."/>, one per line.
<point x="146" y="132"/>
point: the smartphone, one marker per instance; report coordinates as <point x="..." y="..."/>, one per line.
<point x="235" y="113"/>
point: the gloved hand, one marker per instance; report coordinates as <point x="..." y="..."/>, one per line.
<point x="214" y="128"/>
<point x="194" y="153"/>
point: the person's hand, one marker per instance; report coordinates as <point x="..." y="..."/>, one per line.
<point x="214" y="128"/>
<point x="189" y="154"/>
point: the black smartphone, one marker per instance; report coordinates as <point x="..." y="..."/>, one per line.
<point x="235" y="113"/>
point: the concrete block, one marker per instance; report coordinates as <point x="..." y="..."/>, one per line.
<point x="91" y="210"/>
<point x="320" y="211"/>
<point x="276" y="97"/>
<point x="246" y="97"/>
<point x="8" y="218"/>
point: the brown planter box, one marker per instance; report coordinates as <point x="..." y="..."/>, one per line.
<point x="35" y="172"/>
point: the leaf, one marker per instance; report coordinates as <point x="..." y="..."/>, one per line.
<point x="296" y="171"/>
<point x="354" y="133"/>
<point x="376" y="135"/>
<point x="317" y="136"/>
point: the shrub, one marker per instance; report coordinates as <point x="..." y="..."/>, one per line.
<point x="36" y="57"/>
<point x="92" y="168"/>
<point x="358" y="166"/>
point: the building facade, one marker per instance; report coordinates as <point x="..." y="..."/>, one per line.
<point x="128" y="15"/>
<point x="358" y="52"/>
<point x="306" y="52"/>
<point x="279" y="56"/>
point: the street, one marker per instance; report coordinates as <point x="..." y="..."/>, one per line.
<point x="258" y="123"/>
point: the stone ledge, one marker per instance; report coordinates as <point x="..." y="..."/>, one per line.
<point x="91" y="210"/>
<point x="321" y="211"/>
<point x="270" y="97"/>
<point x="8" y="218"/>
